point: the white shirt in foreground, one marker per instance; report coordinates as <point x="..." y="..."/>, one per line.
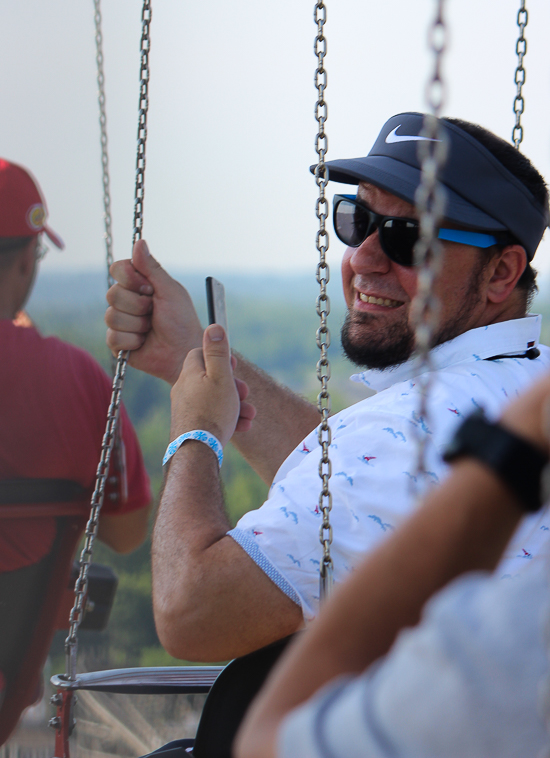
<point x="471" y="681"/>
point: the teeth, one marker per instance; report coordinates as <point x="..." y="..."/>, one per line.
<point x="379" y="300"/>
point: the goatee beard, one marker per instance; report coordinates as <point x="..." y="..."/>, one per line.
<point x="369" y="345"/>
<point x="391" y="348"/>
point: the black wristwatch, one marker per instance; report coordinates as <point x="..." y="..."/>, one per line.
<point x="517" y="462"/>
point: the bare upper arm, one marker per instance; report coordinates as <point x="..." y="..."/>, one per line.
<point x="226" y="607"/>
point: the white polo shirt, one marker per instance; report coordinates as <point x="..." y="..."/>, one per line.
<point x="373" y="460"/>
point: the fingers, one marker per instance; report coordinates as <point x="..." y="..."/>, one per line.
<point x="195" y="360"/>
<point x="126" y="322"/>
<point x="217" y="358"/>
<point x="218" y="364"/>
<point x="242" y="389"/>
<point x="128" y="277"/>
<point x="247" y="414"/>
<point x="129" y="302"/>
<point x="124" y="341"/>
<point x="527" y="415"/>
<point x="144" y="263"/>
<point x="142" y="274"/>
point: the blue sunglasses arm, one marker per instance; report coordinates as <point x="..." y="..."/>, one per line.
<point x="476" y="239"/>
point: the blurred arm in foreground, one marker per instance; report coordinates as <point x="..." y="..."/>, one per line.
<point x="431" y="695"/>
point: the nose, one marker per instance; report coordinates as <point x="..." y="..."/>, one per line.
<point x="369" y="257"/>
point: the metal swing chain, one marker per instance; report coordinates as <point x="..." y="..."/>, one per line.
<point x="118" y="381"/>
<point x="323" y="304"/>
<point x="430" y="204"/>
<point x="520" y="74"/>
<point x="104" y="154"/>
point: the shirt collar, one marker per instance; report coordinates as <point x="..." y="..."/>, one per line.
<point x="503" y="338"/>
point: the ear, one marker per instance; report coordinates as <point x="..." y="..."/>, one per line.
<point x="506" y="269"/>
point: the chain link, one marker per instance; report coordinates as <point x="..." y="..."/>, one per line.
<point x="142" y="120"/>
<point x="520" y="75"/>
<point x="104" y="153"/>
<point x="91" y="527"/>
<point x="114" y="407"/>
<point x="430" y="204"/>
<point x="323" y="302"/>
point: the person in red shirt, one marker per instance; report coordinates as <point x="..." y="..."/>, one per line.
<point x="53" y="401"/>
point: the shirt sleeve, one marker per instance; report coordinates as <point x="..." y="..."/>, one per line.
<point x="135" y="486"/>
<point x="466" y="682"/>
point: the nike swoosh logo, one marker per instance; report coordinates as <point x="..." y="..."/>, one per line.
<point x="393" y="137"/>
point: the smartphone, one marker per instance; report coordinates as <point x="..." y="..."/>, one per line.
<point x="215" y="301"/>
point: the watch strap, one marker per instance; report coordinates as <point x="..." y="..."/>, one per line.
<point x="516" y="461"/>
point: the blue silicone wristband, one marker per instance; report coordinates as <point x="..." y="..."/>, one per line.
<point x="201" y="436"/>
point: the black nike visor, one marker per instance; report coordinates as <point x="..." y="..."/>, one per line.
<point x="480" y="192"/>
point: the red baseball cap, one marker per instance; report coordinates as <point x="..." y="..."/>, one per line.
<point x="23" y="210"/>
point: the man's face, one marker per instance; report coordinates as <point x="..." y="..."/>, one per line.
<point x="377" y="332"/>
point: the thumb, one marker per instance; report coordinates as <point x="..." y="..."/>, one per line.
<point x="217" y="357"/>
<point x="145" y="264"/>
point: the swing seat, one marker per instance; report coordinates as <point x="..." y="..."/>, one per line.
<point x="231" y="690"/>
<point x="30" y="597"/>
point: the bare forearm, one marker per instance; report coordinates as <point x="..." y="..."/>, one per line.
<point x="211" y="601"/>
<point x="190" y="519"/>
<point x="465" y="525"/>
<point x="282" y="421"/>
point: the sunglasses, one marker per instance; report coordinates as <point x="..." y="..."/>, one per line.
<point x="354" y="222"/>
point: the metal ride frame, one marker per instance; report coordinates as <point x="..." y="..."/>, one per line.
<point x="425" y="308"/>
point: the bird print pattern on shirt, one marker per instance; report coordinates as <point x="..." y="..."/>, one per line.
<point x="371" y="488"/>
<point x="381" y="524"/>
<point x="346" y="477"/>
<point x="396" y="435"/>
<point x="289" y="514"/>
<point x="420" y="421"/>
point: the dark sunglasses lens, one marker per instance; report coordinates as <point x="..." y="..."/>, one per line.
<point x="351" y="223"/>
<point x="398" y="237"/>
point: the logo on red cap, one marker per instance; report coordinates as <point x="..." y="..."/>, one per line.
<point x="36" y="215"/>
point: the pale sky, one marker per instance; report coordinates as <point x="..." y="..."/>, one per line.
<point x="231" y="127"/>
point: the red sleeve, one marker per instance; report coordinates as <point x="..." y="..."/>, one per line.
<point x="133" y="490"/>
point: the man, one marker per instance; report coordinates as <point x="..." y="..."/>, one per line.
<point x="53" y="405"/>
<point x="219" y="593"/>
<point x="472" y="678"/>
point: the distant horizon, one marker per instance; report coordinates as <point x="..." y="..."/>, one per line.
<point x="69" y="288"/>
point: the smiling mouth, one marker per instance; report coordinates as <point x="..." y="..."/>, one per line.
<point x="385" y="301"/>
